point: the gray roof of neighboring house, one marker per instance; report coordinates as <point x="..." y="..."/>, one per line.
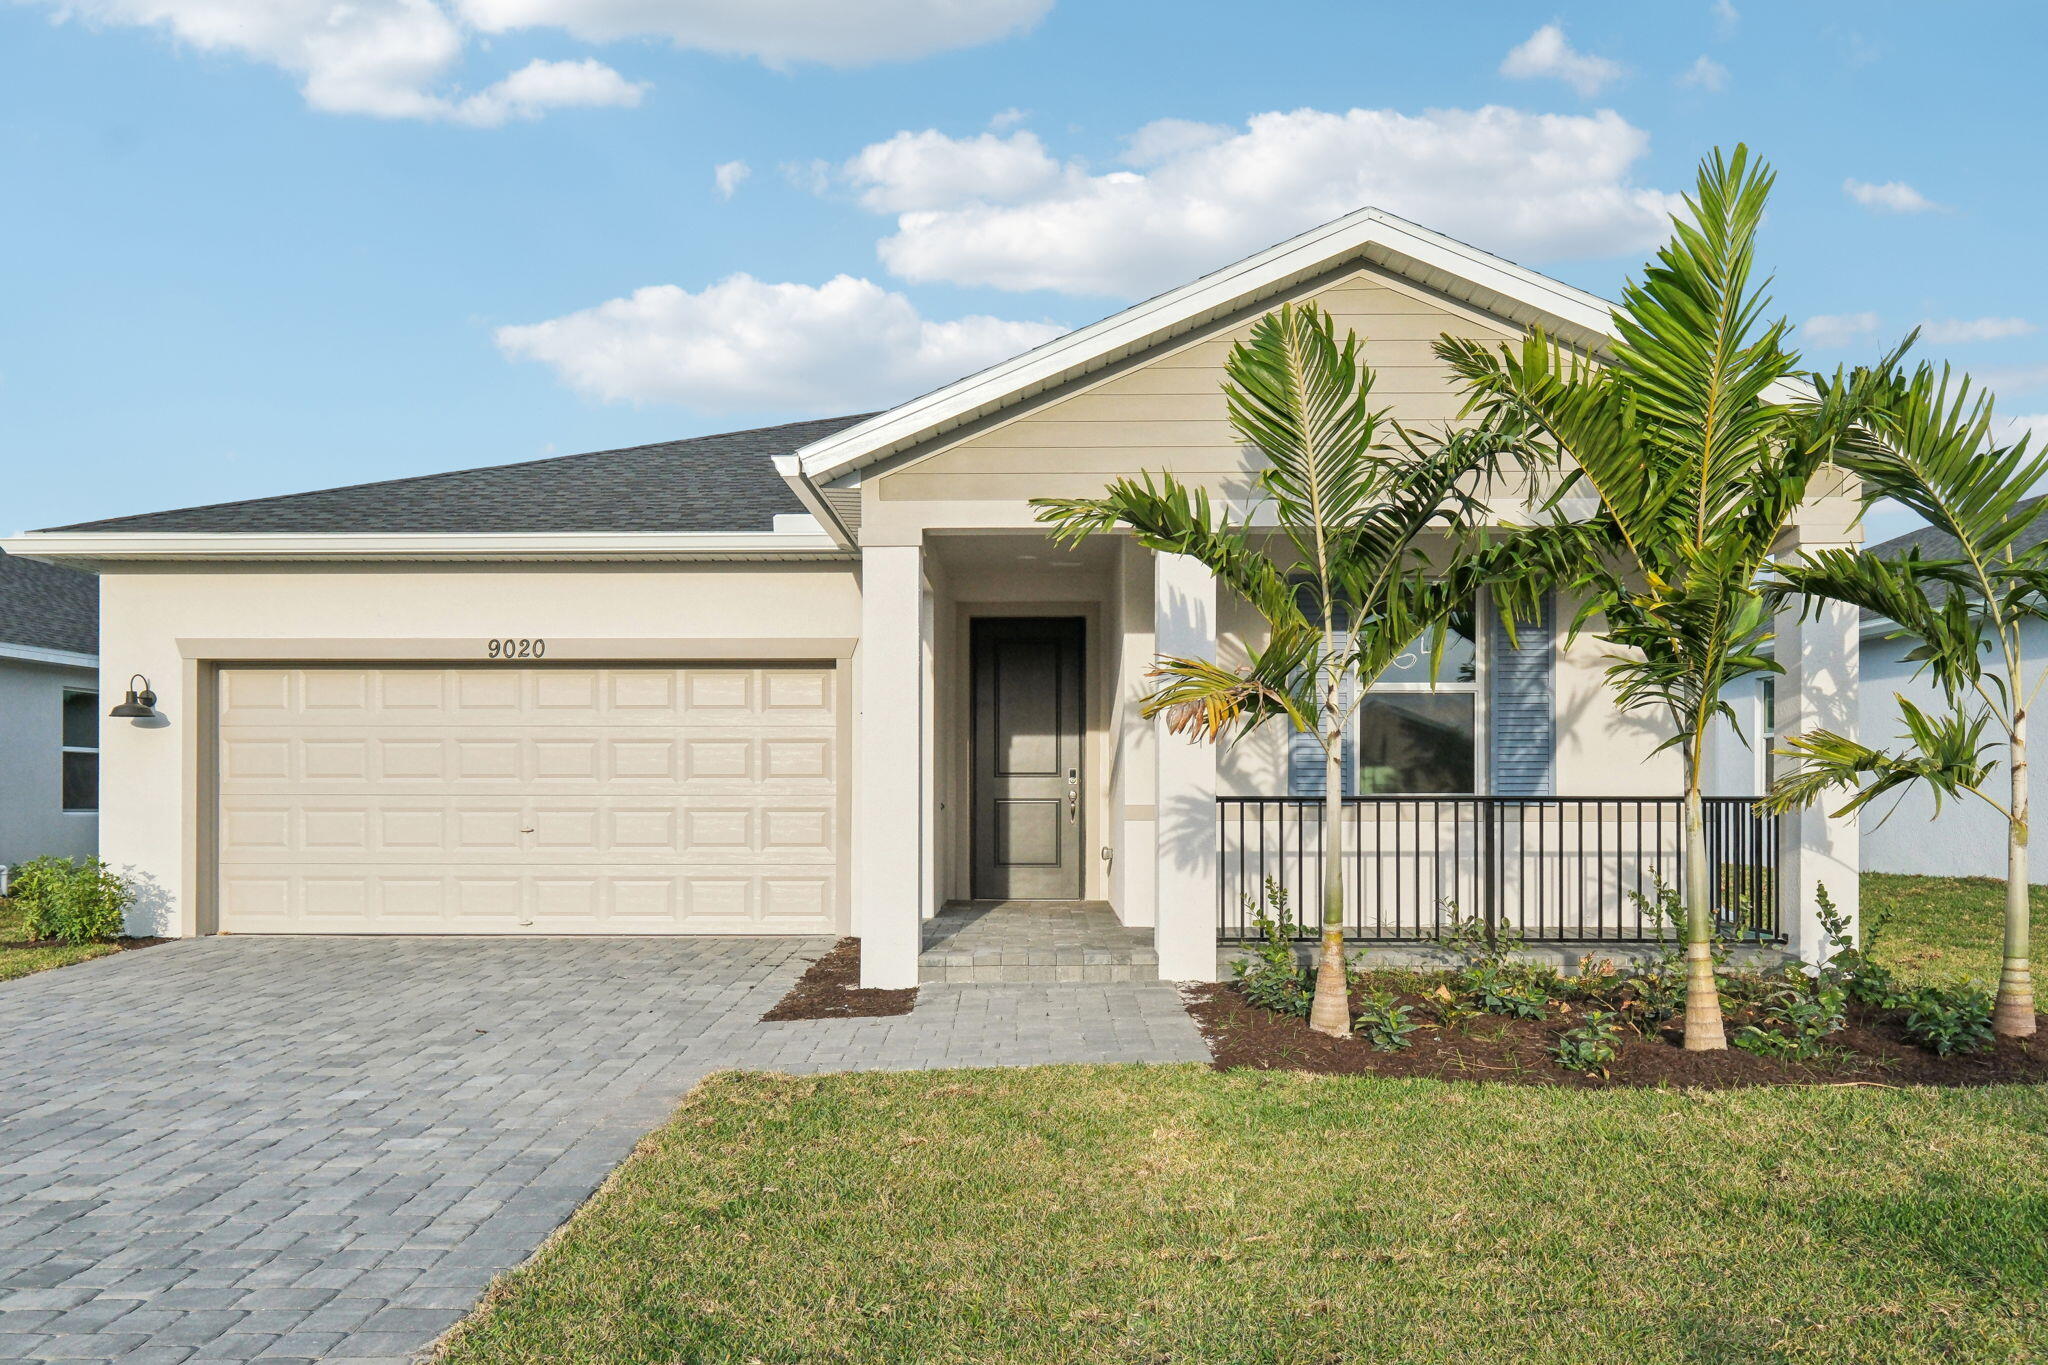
<point x="706" y="483"/>
<point x="46" y="607"/>
<point x="1934" y="544"/>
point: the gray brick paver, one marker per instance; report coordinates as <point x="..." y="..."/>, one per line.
<point x="325" y="1149"/>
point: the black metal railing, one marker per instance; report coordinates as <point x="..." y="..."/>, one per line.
<point x="1554" y="868"/>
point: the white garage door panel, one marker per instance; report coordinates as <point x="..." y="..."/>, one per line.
<point x="696" y="799"/>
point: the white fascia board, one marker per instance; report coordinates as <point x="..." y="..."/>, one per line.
<point x="1145" y="323"/>
<point x="791" y="469"/>
<point x="129" y="546"/>
<point x="35" y="654"/>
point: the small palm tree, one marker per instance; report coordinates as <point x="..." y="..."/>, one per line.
<point x="1931" y="446"/>
<point x="1699" y="448"/>
<point x="1341" y="578"/>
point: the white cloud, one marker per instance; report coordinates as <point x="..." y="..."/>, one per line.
<point x="2029" y="424"/>
<point x="1726" y="16"/>
<point x="1893" y="196"/>
<point x="928" y="170"/>
<point x="399" y="58"/>
<point x="1547" y="54"/>
<point x="779" y="32"/>
<point x="1953" y="331"/>
<point x="1006" y="119"/>
<point x="1705" y="74"/>
<point x="1829" y="330"/>
<point x="727" y="177"/>
<point x="1163" y="139"/>
<point x="2007" y="378"/>
<point x="539" y="86"/>
<point x="746" y="345"/>
<point x="1548" y="186"/>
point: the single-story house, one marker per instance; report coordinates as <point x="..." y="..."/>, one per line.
<point x="831" y="677"/>
<point x="49" y="712"/>
<point x="1964" y="838"/>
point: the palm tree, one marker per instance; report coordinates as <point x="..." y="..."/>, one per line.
<point x="1698" y="446"/>
<point x="1931" y="446"/>
<point x="1341" y="578"/>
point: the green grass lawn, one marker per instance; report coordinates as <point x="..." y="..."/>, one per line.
<point x="1933" y="929"/>
<point x="1171" y="1214"/>
<point x="18" y="959"/>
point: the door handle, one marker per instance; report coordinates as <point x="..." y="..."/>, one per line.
<point x="1073" y="794"/>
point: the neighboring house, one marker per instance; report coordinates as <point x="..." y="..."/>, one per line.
<point x="1965" y="838"/>
<point x="49" y="711"/>
<point x="830" y="676"/>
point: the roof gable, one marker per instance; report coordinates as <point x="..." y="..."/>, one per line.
<point x="1442" y="264"/>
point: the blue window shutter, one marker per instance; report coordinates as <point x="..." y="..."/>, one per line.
<point x="1523" y="710"/>
<point x="1305" y="751"/>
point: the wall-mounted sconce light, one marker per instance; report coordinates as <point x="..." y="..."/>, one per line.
<point x="141" y="702"/>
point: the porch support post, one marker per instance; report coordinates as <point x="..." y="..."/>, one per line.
<point x="1184" y="617"/>
<point x="1817" y="690"/>
<point x="891" y="818"/>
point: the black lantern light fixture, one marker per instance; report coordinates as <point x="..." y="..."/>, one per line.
<point x="141" y="702"/>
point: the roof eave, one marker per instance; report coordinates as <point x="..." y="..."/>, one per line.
<point x="79" y="548"/>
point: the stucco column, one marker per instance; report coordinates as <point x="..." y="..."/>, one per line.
<point x="891" y="818"/>
<point x="1817" y="690"/>
<point x="1184" y="623"/>
<point x="1137" y="860"/>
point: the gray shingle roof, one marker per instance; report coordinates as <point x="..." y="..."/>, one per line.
<point x="47" y="607"/>
<point x="1934" y="544"/>
<point x="706" y="483"/>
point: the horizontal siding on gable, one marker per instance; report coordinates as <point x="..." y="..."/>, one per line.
<point x="1169" y="413"/>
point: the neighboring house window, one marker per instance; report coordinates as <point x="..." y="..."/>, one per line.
<point x="1418" y="737"/>
<point x="81" y="758"/>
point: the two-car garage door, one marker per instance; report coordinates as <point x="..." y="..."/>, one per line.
<point x="529" y="799"/>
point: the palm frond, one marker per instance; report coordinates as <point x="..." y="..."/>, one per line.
<point x="1944" y="753"/>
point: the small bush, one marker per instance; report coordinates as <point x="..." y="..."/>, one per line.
<point x="72" y="902"/>
<point x="1499" y="988"/>
<point x="1865" y="980"/>
<point x="1590" y="1046"/>
<point x="1274" y="978"/>
<point x="1950" y="1019"/>
<point x="1386" y="1022"/>
<point x="1795" y="1020"/>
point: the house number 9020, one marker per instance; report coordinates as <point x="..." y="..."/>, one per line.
<point x="517" y="649"/>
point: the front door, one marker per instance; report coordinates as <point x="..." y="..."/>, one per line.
<point x="1027" y="758"/>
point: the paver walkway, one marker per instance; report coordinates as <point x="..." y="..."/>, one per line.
<point x="324" y="1149"/>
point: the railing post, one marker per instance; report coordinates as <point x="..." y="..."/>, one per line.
<point x="1489" y="867"/>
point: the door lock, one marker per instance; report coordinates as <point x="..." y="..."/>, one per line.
<point x="1073" y="794"/>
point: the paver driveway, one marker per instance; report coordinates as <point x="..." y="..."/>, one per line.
<point x="323" y="1149"/>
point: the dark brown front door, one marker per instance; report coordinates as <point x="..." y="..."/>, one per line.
<point x="1027" y="758"/>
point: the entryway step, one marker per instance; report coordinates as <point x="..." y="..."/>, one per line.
<point x="1034" y="943"/>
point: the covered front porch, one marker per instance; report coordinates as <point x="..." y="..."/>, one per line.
<point x="1016" y="818"/>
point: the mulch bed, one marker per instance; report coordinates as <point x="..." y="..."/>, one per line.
<point x="1872" y="1050"/>
<point x="830" y="989"/>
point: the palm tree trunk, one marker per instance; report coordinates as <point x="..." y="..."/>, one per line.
<point x="1704" y="1031"/>
<point x="1331" y="1010"/>
<point x="2014" y="1015"/>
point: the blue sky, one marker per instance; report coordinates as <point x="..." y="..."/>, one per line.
<point x="252" y="248"/>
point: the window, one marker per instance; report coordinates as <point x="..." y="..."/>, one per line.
<point x="81" y="757"/>
<point x="1418" y="738"/>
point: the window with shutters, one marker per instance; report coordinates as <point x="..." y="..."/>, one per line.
<point x="1414" y="734"/>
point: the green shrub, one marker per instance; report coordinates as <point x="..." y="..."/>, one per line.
<point x="1590" y="1046"/>
<point x="72" y="902"/>
<point x="1795" y="1020"/>
<point x="1274" y="978"/>
<point x="1950" y="1019"/>
<point x="1504" y="989"/>
<point x="1386" y="1022"/>
<point x="1865" y="980"/>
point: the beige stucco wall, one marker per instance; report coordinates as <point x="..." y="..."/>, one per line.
<point x="172" y="625"/>
<point x="33" y="820"/>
